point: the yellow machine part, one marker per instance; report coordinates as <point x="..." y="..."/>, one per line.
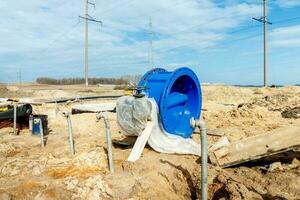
<point x="128" y="92"/>
<point x="4" y="109"/>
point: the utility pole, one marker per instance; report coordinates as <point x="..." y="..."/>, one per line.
<point x="264" y="20"/>
<point x="265" y="46"/>
<point x="87" y="18"/>
<point x="150" y="50"/>
<point x="86" y="44"/>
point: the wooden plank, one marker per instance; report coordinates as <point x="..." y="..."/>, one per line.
<point x="256" y="147"/>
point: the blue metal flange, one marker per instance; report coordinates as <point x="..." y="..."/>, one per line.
<point x="178" y="95"/>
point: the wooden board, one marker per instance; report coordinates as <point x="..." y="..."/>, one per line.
<point x="256" y="147"/>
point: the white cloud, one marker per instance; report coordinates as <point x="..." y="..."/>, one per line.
<point x="41" y="33"/>
<point x="286" y="36"/>
<point x="288" y="3"/>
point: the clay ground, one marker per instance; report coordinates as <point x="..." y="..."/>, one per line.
<point x="30" y="172"/>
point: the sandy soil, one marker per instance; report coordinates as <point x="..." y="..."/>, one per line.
<point x="30" y="172"/>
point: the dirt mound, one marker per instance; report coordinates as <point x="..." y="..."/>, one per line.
<point x="277" y="102"/>
<point x="256" y="183"/>
<point x="291" y="113"/>
<point x="3" y="90"/>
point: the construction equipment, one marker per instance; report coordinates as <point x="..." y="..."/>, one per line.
<point x="160" y="111"/>
<point x="14" y="115"/>
<point x="22" y="111"/>
<point x="178" y="95"/>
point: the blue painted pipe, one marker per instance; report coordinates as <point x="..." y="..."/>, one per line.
<point x="178" y="96"/>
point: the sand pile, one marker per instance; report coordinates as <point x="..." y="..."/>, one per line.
<point x="3" y="90"/>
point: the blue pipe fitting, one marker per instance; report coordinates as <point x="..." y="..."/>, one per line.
<point x="178" y="96"/>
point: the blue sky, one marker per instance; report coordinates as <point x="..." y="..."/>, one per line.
<point x="217" y="39"/>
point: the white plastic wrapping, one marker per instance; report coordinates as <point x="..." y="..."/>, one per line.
<point x="133" y="114"/>
<point x="164" y="142"/>
<point x="140" y="117"/>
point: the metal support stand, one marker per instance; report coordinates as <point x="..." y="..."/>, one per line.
<point x="42" y="134"/>
<point x="15" y="118"/>
<point x="56" y="109"/>
<point x="108" y="139"/>
<point x="70" y="131"/>
<point x="204" y="155"/>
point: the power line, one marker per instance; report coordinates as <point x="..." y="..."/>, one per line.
<point x="197" y="25"/>
<point x="231" y="32"/>
<point x="230" y="41"/>
<point x="287" y="20"/>
<point x="222" y="17"/>
<point x="208" y="40"/>
<point x="64" y="33"/>
<point x="68" y="30"/>
<point x="121" y="64"/>
<point x="253" y="27"/>
<point x="115" y="6"/>
<point x="213" y="6"/>
<point x="213" y="20"/>
<point x="243" y="38"/>
<point x="162" y="8"/>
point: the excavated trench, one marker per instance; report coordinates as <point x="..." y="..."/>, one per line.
<point x="29" y="172"/>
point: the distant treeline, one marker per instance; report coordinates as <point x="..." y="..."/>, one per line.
<point x="75" y="81"/>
